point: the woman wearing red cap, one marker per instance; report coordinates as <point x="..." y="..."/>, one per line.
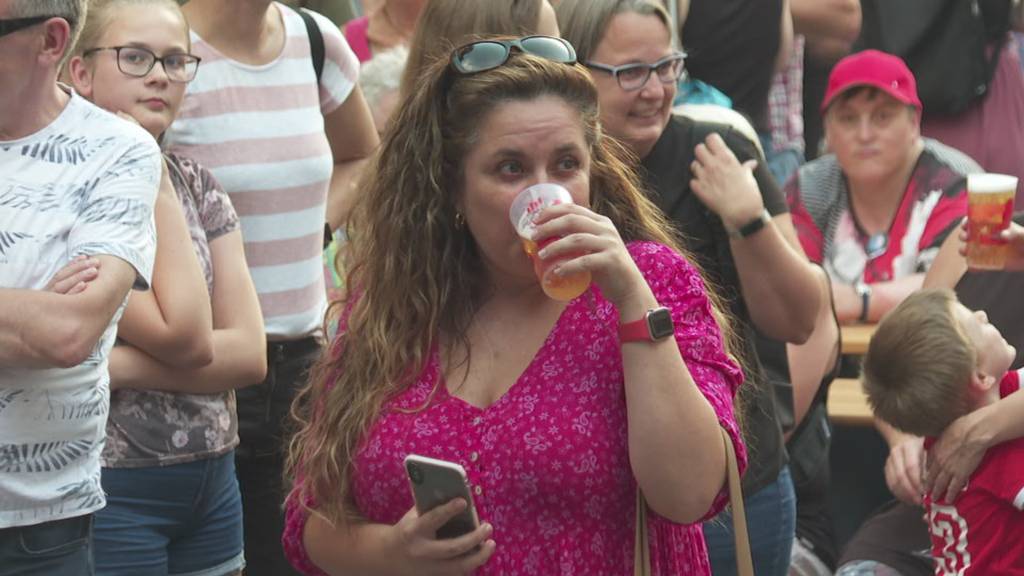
<point x="875" y="211"/>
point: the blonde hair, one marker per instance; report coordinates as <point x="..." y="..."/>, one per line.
<point x="74" y="11"/>
<point x="583" y="22"/>
<point x="102" y="13"/>
<point x="919" y="363"/>
<point x="415" y="274"/>
<point x="446" y="24"/>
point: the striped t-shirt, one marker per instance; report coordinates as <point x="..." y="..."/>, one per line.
<point x="260" y="131"/>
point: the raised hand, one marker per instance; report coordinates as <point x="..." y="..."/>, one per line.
<point x="725" y="186"/>
<point x="590" y="242"/>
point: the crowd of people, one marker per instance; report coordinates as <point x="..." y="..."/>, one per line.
<point x="253" y="258"/>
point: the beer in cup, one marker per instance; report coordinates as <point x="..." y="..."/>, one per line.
<point x="989" y="209"/>
<point x="524" y="211"/>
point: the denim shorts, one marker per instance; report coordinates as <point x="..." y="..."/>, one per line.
<point x="181" y="519"/>
<point x="59" y="547"/>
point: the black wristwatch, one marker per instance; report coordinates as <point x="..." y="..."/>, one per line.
<point x="752" y="227"/>
<point x="864" y="291"/>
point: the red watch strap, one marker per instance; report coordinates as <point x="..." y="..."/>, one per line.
<point x="636" y="331"/>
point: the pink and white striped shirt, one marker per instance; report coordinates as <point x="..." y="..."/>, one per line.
<point x="260" y="131"/>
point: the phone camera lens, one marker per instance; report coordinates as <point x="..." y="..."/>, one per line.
<point x="415" y="474"/>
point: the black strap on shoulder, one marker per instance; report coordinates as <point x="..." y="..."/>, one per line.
<point x="316" y="42"/>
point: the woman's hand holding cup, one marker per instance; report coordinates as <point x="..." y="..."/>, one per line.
<point x="588" y="242"/>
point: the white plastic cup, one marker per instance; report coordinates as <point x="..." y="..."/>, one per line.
<point x="989" y="211"/>
<point x="525" y="209"/>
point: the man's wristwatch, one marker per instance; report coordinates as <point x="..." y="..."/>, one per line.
<point x="654" y="326"/>
<point x="863" y="290"/>
<point x="752" y="227"/>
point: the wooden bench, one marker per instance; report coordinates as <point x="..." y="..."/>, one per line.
<point x="847" y="403"/>
<point x="856" y="338"/>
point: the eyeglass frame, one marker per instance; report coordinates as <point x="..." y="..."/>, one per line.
<point x="12" y="25"/>
<point x="160" y="59"/>
<point x="615" y="70"/>
<point x="455" y="58"/>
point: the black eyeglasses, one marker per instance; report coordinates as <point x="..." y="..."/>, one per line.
<point x="138" y="62"/>
<point x="634" y="76"/>
<point x="14" y="24"/>
<point x="489" y="54"/>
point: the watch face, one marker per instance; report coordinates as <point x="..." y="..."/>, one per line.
<point x="660" y="323"/>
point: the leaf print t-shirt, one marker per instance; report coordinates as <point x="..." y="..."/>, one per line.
<point x="85" y="184"/>
<point x="548" y="462"/>
<point x="156" y="428"/>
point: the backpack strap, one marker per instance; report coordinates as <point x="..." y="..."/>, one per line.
<point x="316" y="42"/>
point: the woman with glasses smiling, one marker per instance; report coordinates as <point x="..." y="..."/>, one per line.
<point x="173" y="503"/>
<point x="449" y="348"/>
<point x="712" y="184"/>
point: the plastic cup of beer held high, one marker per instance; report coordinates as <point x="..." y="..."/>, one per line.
<point x="523" y="213"/>
<point x="989" y="209"/>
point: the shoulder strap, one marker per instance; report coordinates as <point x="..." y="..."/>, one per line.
<point x="316" y="42"/>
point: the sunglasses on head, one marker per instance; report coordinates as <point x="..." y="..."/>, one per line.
<point x="486" y="55"/>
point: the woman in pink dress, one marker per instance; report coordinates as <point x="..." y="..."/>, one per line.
<point x="449" y="348"/>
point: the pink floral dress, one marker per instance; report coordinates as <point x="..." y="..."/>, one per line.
<point x="548" y="463"/>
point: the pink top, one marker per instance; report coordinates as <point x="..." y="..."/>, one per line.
<point x="356" y="34"/>
<point x="548" y="461"/>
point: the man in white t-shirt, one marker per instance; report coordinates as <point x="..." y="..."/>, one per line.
<point x="77" y="187"/>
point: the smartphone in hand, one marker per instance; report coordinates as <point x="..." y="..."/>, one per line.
<point x="436" y="482"/>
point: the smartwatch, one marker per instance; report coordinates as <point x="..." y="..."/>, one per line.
<point x="656" y="325"/>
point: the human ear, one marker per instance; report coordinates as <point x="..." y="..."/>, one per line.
<point x="981" y="382"/>
<point x="56" y="40"/>
<point x="81" y="76"/>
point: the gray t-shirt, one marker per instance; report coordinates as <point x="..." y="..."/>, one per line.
<point x="153" y="428"/>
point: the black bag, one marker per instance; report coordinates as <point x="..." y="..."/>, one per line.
<point x="951" y="46"/>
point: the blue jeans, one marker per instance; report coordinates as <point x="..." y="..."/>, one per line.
<point x="771" y="524"/>
<point x="183" y="519"/>
<point x="59" y="547"/>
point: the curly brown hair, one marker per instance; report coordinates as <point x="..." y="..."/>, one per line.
<point x="415" y="275"/>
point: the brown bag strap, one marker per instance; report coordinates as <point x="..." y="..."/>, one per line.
<point x="744" y="565"/>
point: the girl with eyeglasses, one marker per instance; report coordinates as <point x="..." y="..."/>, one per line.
<point x="711" y="182"/>
<point x="173" y="502"/>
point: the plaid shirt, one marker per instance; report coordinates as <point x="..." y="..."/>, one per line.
<point x="786" y="102"/>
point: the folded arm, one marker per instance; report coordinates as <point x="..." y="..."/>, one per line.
<point x="171" y="321"/>
<point x="43" y="329"/>
<point x="239" y="353"/>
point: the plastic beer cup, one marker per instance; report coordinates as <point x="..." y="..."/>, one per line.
<point x="989" y="209"/>
<point x="523" y="213"/>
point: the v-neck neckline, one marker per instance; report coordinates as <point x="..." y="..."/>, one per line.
<point x="517" y="385"/>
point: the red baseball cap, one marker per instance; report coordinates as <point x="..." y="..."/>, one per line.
<point x="884" y="71"/>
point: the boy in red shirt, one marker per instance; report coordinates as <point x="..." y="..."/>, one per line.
<point x="931" y="361"/>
